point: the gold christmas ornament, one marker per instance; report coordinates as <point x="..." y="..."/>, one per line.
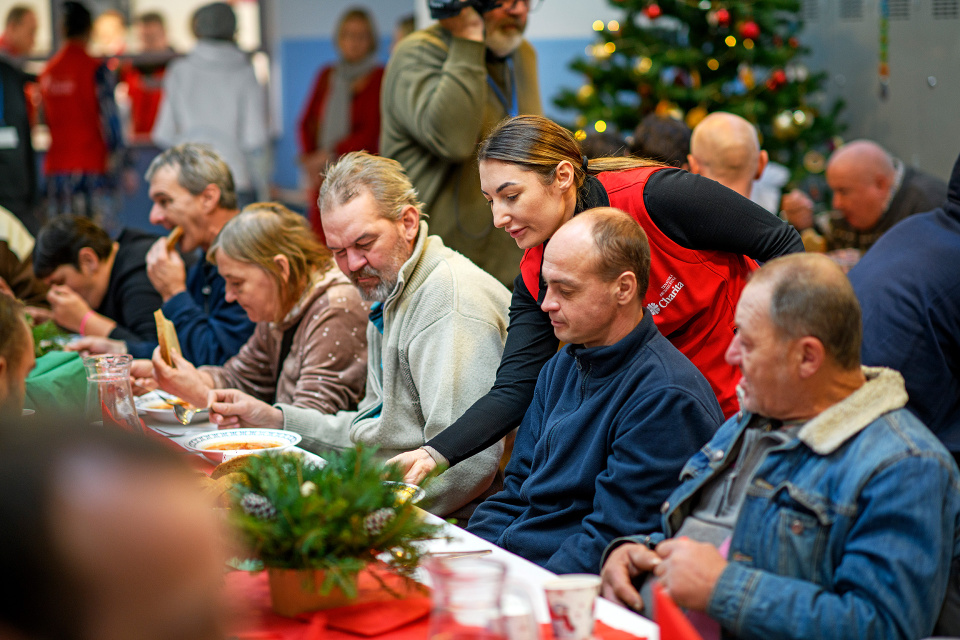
<point x="643" y="65"/>
<point x="784" y="126"/>
<point x="695" y="115"/>
<point x="814" y="162"/>
<point x="746" y="75"/>
<point x="670" y="109"/>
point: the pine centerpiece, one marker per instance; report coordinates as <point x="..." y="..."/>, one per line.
<point x="329" y="524"/>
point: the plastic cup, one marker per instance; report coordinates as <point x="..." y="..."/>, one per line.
<point x="571" y="600"/>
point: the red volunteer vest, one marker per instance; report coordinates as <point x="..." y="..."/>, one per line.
<point x="692" y="294"/>
<point x="146" y="93"/>
<point x="68" y="87"/>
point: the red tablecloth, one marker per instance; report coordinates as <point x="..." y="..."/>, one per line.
<point x="406" y="619"/>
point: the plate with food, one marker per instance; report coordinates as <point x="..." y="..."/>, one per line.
<point x="222" y="445"/>
<point x="406" y="492"/>
<point x="160" y="408"/>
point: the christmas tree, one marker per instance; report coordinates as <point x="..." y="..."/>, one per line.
<point x="687" y="58"/>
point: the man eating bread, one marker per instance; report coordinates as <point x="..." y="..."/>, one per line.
<point x="193" y="195"/>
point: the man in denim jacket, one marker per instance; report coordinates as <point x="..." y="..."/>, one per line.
<point x="824" y="509"/>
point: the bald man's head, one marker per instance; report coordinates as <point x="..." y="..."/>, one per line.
<point x="596" y="268"/>
<point x="865" y="155"/>
<point x="861" y="176"/>
<point x="725" y="147"/>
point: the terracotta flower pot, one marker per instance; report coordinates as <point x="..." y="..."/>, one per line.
<point x="294" y="591"/>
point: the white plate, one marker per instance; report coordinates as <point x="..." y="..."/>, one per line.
<point x="151" y="405"/>
<point x="285" y="440"/>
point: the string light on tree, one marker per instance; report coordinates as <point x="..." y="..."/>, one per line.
<point x="653" y="11"/>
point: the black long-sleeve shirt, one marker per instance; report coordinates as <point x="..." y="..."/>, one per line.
<point x="695" y="212"/>
<point x="131" y="299"/>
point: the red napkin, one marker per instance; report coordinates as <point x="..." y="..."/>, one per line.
<point x="403" y="619"/>
<point x="674" y="625"/>
<point x="376" y="618"/>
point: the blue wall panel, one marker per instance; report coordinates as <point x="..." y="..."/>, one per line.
<point x="553" y="61"/>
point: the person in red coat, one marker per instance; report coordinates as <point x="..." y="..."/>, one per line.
<point x="343" y="112"/>
<point x="144" y="77"/>
<point x="77" y="91"/>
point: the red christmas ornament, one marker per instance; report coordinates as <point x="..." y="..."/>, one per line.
<point x="793" y="42"/>
<point x="653" y="11"/>
<point x="776" y="80"/>
<point x="750" y="29"/>
<point x="723" y="17"/>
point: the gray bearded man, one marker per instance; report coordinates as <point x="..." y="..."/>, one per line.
<point x="434" y="340"/>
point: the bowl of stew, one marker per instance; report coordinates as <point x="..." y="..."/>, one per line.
<point x="220" y="446"/>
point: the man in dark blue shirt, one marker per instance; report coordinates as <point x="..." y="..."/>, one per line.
<point x="192" y="188"/>
<point x="615" y="414"/>
<point x="909" y="290"/>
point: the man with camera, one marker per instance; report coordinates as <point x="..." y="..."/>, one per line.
<point x="444" y="89"/>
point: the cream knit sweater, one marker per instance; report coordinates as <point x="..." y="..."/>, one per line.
<point x="444" y="328"/>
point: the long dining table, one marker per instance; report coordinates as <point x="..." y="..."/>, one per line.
<point x="452" y="538"/>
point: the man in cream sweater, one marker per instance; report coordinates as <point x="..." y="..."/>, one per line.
<point x="437" y="327"/>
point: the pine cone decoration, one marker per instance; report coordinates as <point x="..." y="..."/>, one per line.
<point x="257" y="506"/>
<point x="377" y="520"/>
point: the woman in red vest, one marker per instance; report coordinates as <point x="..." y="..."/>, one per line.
<point x="703" y="237"/>
<point x="343" y="112"/>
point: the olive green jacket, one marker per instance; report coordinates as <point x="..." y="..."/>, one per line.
<point x="436" y="107"/>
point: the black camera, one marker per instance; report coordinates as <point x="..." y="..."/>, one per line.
<point x="440" y="9"/>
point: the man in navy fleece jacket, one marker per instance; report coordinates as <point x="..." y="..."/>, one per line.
<point x="616" y="413"/>
<point x="192" y="188"/>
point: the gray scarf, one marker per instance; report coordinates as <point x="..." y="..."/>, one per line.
<point x="336" y="114"/>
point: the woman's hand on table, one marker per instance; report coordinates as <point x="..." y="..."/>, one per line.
<point x="625" y="563"/>
<point x="230" y="408"/>
<point x="93" y="345"/>
<point x="415" y="465"/>
<point x="182" y="380"/>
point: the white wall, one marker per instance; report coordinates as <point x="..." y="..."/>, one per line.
<point x="554" y="18"/>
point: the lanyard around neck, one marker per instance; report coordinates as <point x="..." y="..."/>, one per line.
<point x="512" y="108"/>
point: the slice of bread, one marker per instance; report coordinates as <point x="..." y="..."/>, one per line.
<point x="174" y="238"/>
<point x="167" y="337"/>
<point x="231" y="466"/>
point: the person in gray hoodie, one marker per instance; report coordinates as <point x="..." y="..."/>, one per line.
<point x="212" y="96"/>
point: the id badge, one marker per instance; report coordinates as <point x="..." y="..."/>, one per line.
<point x="9" y="138"/>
